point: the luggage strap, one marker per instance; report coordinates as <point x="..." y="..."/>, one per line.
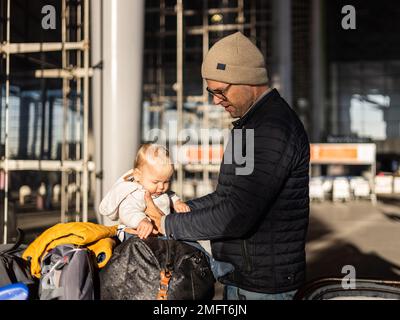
<point x="164" y="283"/>
<point x="20" y="238"/>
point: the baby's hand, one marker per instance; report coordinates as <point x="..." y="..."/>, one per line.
<point x="144" y="228"/>
<point x="181" y="207"/>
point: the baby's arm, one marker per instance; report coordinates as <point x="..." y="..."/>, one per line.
<point x="179" y="205"/>
<point x="131" y="214"/>
<point x="131" y="211"/>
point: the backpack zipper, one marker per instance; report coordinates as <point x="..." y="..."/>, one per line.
<point x="165" y="275"/>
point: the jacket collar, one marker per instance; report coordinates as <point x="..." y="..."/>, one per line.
<point x="253" y="109"/>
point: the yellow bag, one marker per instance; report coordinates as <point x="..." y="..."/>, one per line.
<point x="94" y="236"/>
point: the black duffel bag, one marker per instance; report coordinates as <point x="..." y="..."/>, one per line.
<point x="156" y="269"/>
<point x="13" y="268"/>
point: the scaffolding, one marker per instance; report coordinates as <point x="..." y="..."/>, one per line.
<point x="75" y="71"/>
<point x="195" y="20"/>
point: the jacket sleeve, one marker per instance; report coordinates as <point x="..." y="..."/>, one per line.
<point x="235" y="215"/>
<point x="131" y="210"/>
<point x="202" y="202"/>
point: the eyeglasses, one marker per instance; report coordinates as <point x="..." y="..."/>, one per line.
<point x="220" y="94"/>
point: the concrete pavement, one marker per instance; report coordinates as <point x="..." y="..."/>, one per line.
<point x="358" y="234"/>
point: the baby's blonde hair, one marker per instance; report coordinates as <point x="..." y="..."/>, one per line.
<point x="154" y="154"/>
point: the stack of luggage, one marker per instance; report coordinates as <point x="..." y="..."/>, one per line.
<point x="86" y="261"/>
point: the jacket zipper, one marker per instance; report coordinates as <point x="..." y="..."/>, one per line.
<point x="246" y="256"/>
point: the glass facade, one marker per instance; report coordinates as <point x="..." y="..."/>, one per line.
<point x="363" y="67"/>
<point x="367" y="102"/>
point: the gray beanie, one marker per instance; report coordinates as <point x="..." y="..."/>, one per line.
<point x="235" y="60"/>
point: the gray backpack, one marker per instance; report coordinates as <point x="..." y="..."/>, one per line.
<point x="68" y="273"/>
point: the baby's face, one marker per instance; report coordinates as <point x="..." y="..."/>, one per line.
<point x="155" y="179"/>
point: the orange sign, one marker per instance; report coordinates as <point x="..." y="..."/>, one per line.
<point x="342" y="153"/>
<point x="198" y="154"/>
<point x="333" y="153"/>
<point x="319" y="153"/>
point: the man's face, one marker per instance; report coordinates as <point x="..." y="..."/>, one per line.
<point x="236" y="99"/>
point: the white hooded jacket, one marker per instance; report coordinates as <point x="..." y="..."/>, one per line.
<point x="125" y="201"/>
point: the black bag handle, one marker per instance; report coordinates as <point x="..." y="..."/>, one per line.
<point x="20" y="238"/>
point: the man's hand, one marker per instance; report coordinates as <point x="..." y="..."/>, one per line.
<point x="153" y="212"/>
<point x="181" y="207"/>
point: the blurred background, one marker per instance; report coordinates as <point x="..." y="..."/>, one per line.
<point x="84" y="83"/>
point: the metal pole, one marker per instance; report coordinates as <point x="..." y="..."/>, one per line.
<point x="263" y="31"/>
<point x="122" y="81"/>
<point x="282" y="47"/>
<point x="160" y="67"/>
<point x="253" y="21"/>
<point x="96" y="47"/>
<point x="334" y="99"/>
<point x="64" y="177"/>
<point x="240" y="16"/>
<point x="179" y="88"/>
<point x="318" y="75"/>
<point x="372" y="180"/>
<point x="78" y="113"/>
<point x="6" y="128"/>
<point x="206" y="120"/>
<point x="85" y="112"/>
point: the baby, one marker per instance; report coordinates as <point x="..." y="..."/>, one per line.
<point x="125" y="202"/>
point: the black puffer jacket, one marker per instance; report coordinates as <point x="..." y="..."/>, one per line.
<point x="258" y="221"/>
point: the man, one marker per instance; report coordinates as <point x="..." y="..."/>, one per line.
<point x="257" y="220"/>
